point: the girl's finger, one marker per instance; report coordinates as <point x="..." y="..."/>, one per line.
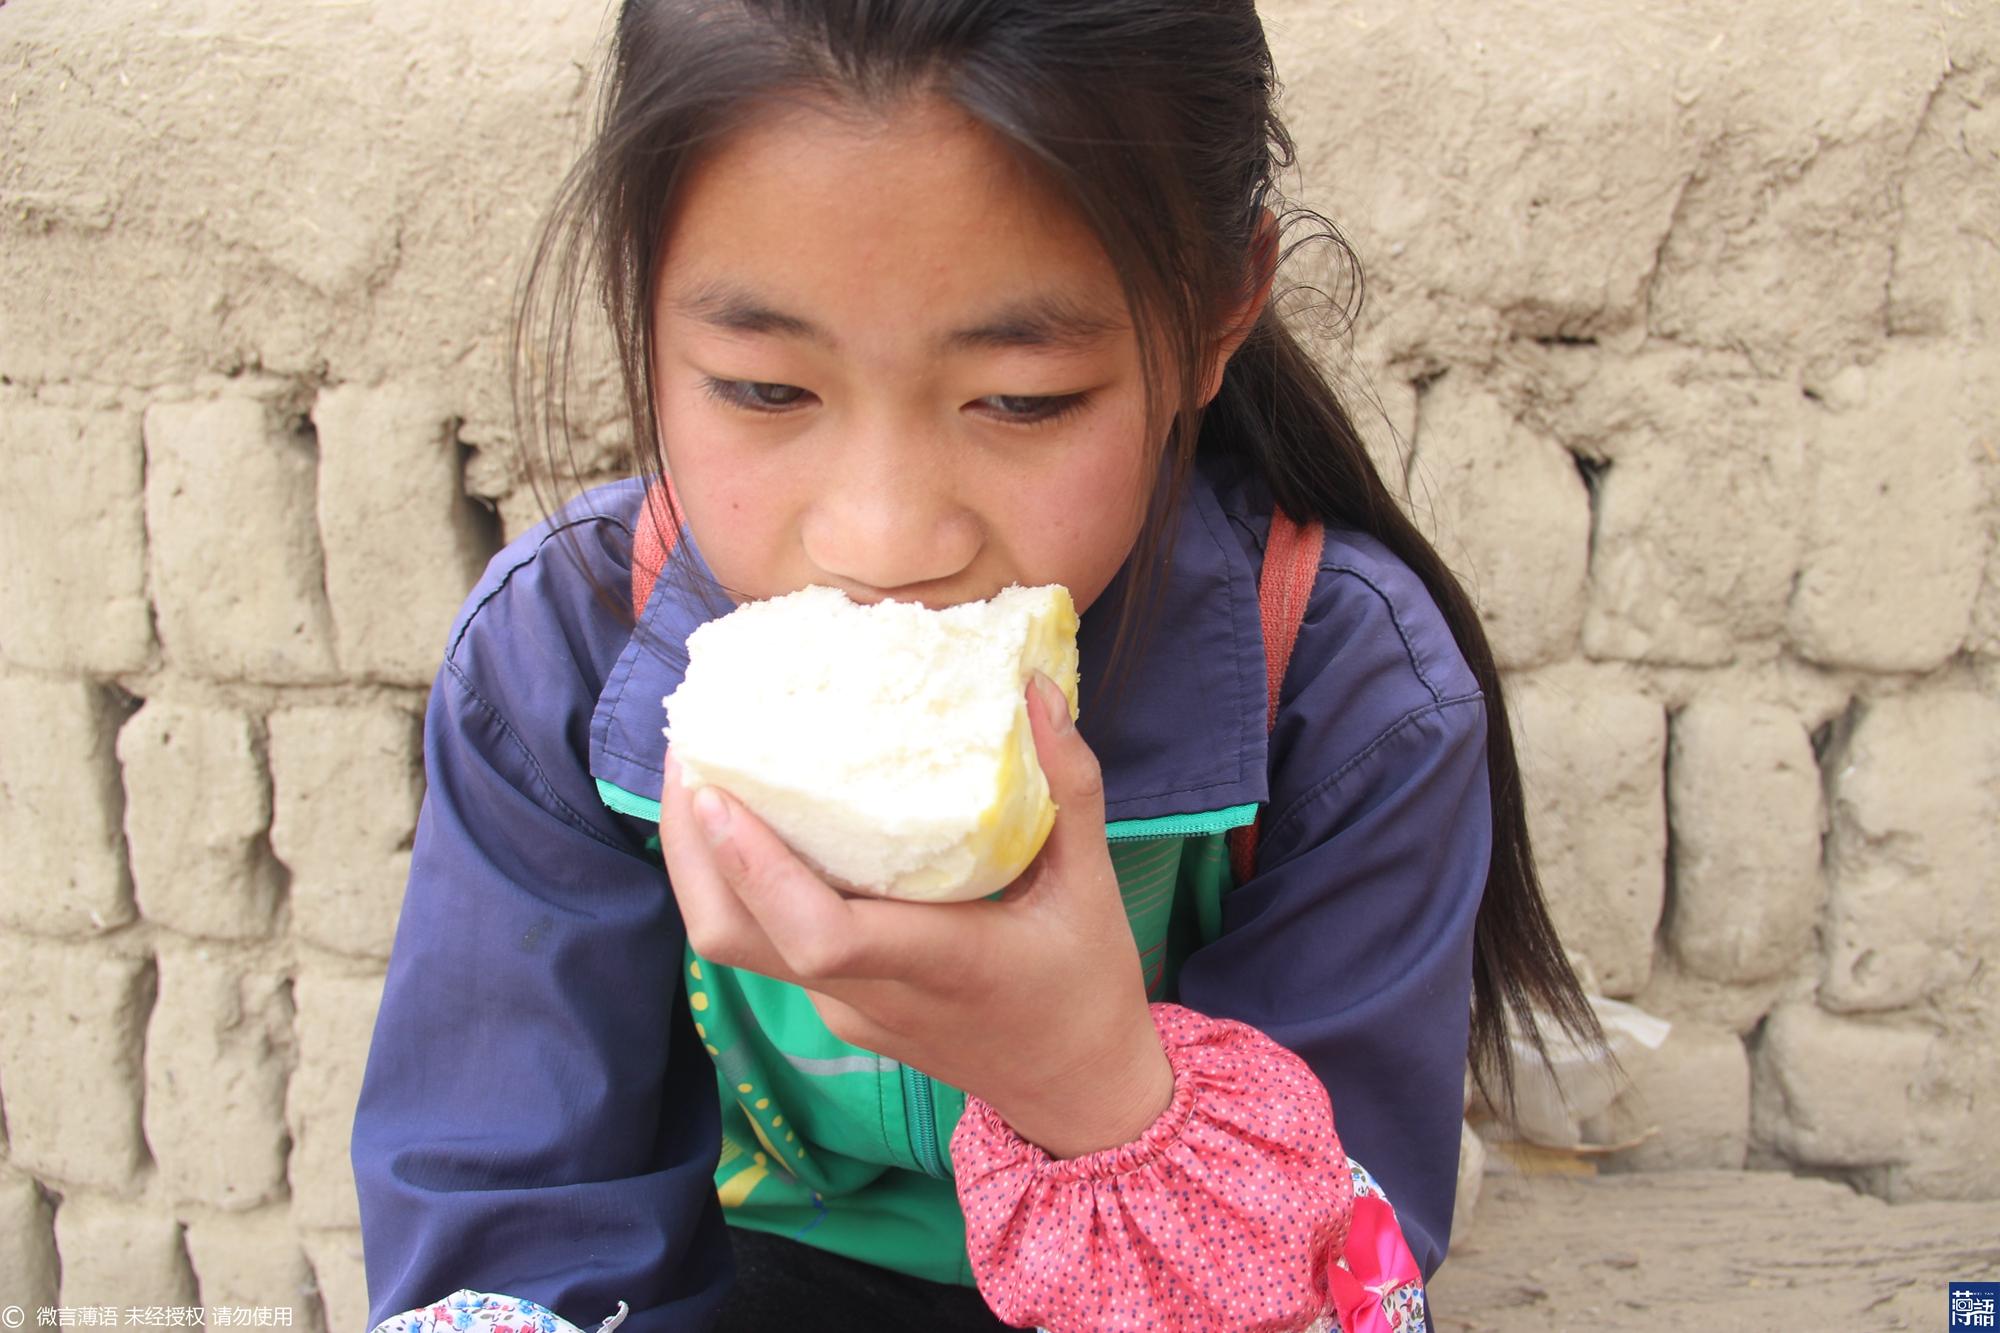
<point x="1075" y="781"/>
<point x="806" y="921"/>
<point x="828" y="940"/>
<point x="718" y="925"/>
<point x="724" y="930"/>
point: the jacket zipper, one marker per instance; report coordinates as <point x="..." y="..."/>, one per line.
<point x="627" y="803"/>
<point x="1181" y="826"/>
<point x="920" y="1114"/>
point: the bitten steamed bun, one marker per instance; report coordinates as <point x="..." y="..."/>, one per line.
<point x="889" y="745"/>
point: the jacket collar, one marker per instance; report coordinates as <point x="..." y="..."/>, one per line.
<point x="1188" y="736"/>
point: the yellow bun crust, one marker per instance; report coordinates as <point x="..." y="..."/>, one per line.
<point x="889" y="745"/>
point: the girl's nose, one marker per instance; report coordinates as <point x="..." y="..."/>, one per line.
<point x="892" y="523"/>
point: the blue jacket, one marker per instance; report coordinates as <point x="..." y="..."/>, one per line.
<point x="538" y="1116"/>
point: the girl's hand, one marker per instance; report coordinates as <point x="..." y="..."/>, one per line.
<point x="1034" y="1003"/>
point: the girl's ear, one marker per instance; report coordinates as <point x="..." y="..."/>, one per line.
<point x="1263" y="269"/>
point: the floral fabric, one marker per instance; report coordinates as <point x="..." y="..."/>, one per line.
<point x="485" y="1312"/>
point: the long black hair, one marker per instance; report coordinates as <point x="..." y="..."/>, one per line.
<point x="1155" y="120"/>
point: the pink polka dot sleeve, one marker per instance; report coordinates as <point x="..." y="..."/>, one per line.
<point x="1225" y="1214"/>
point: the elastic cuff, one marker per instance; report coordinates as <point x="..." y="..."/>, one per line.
<point x="1224" y="1213"/>
<point x="1191" y="1041"/>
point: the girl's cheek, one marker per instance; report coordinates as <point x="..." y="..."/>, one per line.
<point x="723" y="486"/>
<point x="1121" y="464"/>
<point x="1085" y="516"/>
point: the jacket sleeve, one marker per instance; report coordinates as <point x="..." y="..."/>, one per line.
<point x="537" y="1118"/>
<point x="1346" y="965"/>
<point x="1352" y="948"/>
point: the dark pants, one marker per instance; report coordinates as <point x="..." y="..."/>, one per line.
<point x="783" y="1285"/>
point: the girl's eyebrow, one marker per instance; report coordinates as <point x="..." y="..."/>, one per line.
<point x="1047" y="321"/>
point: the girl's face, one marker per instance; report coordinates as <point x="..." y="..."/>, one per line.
<point x="889" y="360"/>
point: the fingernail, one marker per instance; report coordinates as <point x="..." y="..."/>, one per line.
<point x="673" y="769"/>
<point x="712" y="813"/>
<point x="1055" y="708"/>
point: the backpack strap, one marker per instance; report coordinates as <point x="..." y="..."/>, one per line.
<point x="1284" y="586"/>
<point x="653" y="542"/>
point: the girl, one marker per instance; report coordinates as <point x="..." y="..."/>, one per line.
<point x="918" y="299"/>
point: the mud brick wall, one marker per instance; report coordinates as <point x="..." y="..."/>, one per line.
<point x="1680" y="337"/>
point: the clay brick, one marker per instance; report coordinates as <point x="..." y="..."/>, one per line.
<point x="330" y="247"/>
<point x="1744" y="809"/>
<point x="1700" y="494"/>
<point x="1897" y="545"/>
<point x="1958" y="1103"/>
<point x="60" y="809"/>
<point x="69" y="1060"/>
<point x="400" y="554"/>
<point x="1687" y="996"/>
<point x="1781" y="240"/>
<point x="197" y="804"/>
<point x="72" y="538"/>
<point x="236" y="557"/>
<point x="1916" y="835"/>
<point x="1523" y="219"/>
<point x="121" y="1254"/>
<point x="1691" y="1097"/>
<point x="1985" y="636"/>
<point x="339" y="1274"/>
<point x="1946" y="273"/>
<point x="1509" y="512"/>
<point x="347" y="784"/>
<point x="217" y="1052"/>
<point x="253" y="1259"/>
<point x="28" y="1265"/>
<point x="1828" y="1091"/>
<point x="336" y="1020"/>
<point x="1590" y="754"/>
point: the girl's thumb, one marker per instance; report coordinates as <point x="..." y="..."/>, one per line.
<point x="1076" y="782"/>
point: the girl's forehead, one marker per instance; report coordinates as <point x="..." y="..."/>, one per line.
<point x="913" y="206"/>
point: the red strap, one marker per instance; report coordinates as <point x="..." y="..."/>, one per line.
<point x="1291" y="567"/>
<point x="653" y="543"/>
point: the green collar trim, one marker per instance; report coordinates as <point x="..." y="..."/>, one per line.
<point x="1182" y="826"/>
<point x="627" y="803"/>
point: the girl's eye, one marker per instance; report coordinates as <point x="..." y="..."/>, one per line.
<point x="1031" y="410"/>
<point x="756" y="395"/>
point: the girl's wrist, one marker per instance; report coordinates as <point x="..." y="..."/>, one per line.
<point x="1109" y="1103"/>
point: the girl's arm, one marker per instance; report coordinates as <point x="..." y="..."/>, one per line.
<point x="1351" y="947"/>
<point x="538" y="1118"/>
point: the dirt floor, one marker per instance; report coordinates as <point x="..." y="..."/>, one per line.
<point x="1706" y="1250"/>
